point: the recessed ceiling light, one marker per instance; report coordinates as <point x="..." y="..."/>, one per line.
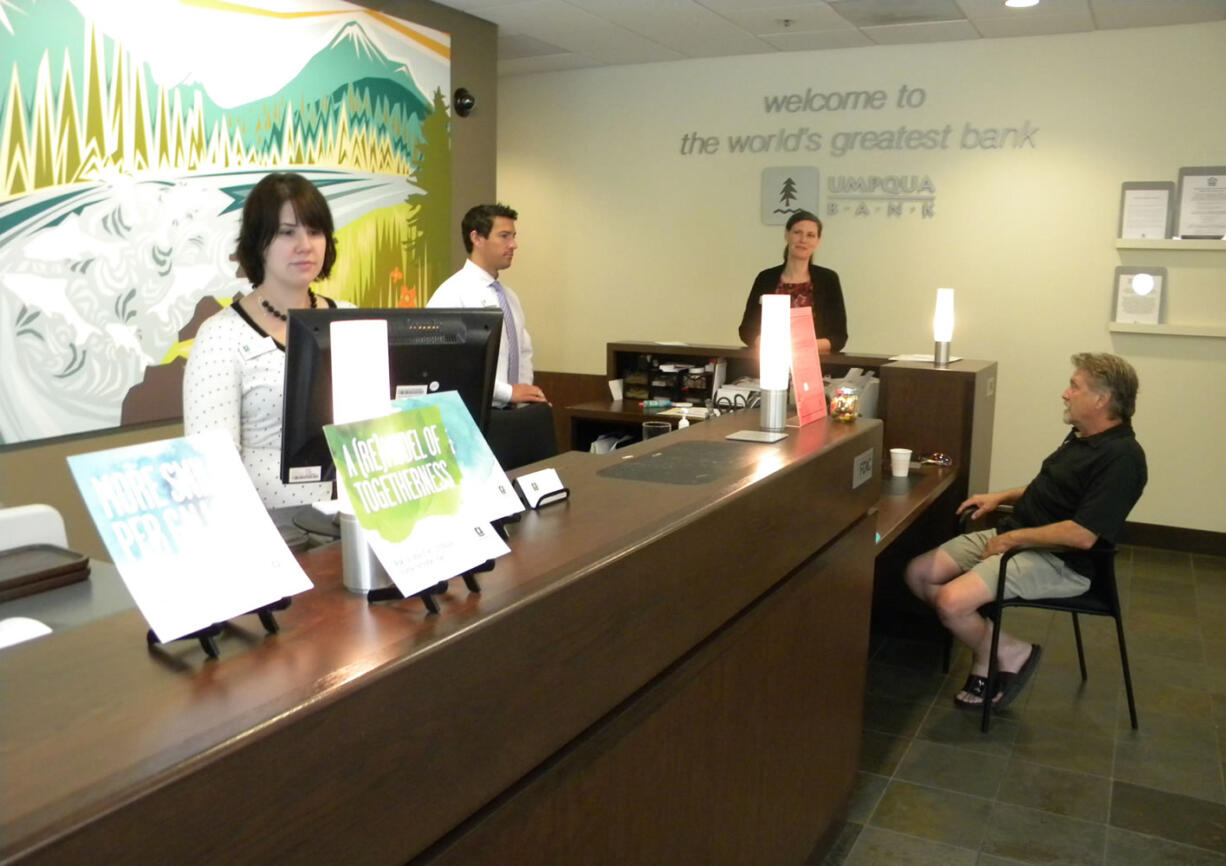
<point x="1021" y="4"/>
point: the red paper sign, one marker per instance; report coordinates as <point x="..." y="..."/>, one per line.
<point x="806" y="368"/>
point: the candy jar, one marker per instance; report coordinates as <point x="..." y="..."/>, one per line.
<point x="845" y="404"/>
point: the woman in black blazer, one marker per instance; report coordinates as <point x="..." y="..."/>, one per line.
<point x="808" y="284"/>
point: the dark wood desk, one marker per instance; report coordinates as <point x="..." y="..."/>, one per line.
<point x="905" y="500"/>
<point x="585" y="421"/>
<point x="657" y="673"/>
<point x="925" y="408"/>
<point x="76" y="604"/>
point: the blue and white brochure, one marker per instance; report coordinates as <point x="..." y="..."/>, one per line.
<point x="186" y="529"/>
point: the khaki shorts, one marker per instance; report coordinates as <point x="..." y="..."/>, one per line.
<point x="1030" y="574"/>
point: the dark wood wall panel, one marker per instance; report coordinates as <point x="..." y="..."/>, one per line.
<point x="948" y="410"/>
<point x="567" y="389"/>
<point x="736" y="740"/>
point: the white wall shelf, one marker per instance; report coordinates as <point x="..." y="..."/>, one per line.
<point x="1169" y="244"/>
<point x="1168" y="330"/>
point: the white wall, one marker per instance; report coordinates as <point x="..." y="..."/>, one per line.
<point x="623" y="237"/>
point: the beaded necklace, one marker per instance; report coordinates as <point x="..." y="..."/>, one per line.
<point x="277" y="314"/>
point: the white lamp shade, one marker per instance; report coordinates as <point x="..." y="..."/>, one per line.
<point x="775" y="345"/>
<point x="943" y="318"/>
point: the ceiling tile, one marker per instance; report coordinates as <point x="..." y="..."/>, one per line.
<point x="1035" y="25"/>
<point x="536" y="35"/>
<point x="580" y="32"/>
<point x="935" y="31"/>
<point x="803" y="17"/>
<point x="818" y="40"/>
<point x="884" y="13"/>
<point x="553" y="63"/>
<point x="607" y="8"/>
<point x="978" y="9"/>
<point x="723" y="6"/>
<point x="1110" y="14"/>
<point x="694" y="31"/>
<point x="517" y="45"/>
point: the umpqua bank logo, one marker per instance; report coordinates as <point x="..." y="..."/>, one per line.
<point x="786" y="189"/>
<point x="887" y="195"/>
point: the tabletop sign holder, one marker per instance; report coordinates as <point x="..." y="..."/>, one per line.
<point x="538" y="489"/>
<point x="393" y="593"/>
<point x="208" y="635"/>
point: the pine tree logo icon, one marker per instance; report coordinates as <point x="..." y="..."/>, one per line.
<point x="787" y="195"/>
<point x="786" y="190"/>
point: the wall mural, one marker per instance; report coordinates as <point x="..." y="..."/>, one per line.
<point x="131" y="135"/>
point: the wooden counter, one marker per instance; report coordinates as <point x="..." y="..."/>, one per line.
<point x="658" y="672"/>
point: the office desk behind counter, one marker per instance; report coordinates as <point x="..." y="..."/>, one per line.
<point x="657" y="672"/>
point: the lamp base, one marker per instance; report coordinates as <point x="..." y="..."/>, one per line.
<point x="940" y="354"/>
<point x="775" y="410"/>
<point x="361" y="569"/>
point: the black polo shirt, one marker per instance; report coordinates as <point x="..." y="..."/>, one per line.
<point x="1093" y="481"/>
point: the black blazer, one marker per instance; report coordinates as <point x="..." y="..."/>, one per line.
<point x="829" y="315"/>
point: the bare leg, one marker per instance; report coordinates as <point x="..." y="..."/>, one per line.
<point x="927" y="573"/>
<point x="937" y="580"/>
<point x="957" y="604"/>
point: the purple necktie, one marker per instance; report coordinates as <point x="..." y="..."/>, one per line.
<point x="508" y="321"/>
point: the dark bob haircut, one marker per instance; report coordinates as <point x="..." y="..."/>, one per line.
<point x="480" y="219"/>
<point x="262" y="220"/>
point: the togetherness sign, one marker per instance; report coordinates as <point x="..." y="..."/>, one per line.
<point x="404" y="481"/>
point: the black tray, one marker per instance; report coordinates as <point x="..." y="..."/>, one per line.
<point x="39" y="567"/>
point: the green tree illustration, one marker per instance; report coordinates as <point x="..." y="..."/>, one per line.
<point x="429" y="227"/>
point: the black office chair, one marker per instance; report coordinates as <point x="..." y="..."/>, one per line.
<point x="1101" y="599"/>
<point x="522" y="435"/>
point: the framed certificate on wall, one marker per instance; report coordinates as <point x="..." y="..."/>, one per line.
<point x="1146" y="209"/>
<point x="1140" y="295"/>
<point x="1202" y="202"/>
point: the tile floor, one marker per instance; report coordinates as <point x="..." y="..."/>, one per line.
<point x="1061" y="778"/>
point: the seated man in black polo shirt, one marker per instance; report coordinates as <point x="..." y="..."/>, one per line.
<point x="1083" y="492"/>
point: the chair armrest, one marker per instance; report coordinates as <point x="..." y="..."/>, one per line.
<point x="1100" y="550"/>
<point x="988" y="521"/>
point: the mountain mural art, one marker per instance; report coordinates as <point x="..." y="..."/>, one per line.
<point x="128" y="144"/>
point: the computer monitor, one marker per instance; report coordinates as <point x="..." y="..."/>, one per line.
<point x="434" y="349"/>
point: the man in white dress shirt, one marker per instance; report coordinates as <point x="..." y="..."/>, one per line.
<point x="488" y="231"/>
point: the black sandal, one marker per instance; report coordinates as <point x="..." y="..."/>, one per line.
<point x="977" y="686"/>
<point x="1011" y="685"/>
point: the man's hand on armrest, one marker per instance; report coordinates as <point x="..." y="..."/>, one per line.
<point x="527" y="394"/>
<point x="986" y="502"/>
<point x="1066" y="533"/>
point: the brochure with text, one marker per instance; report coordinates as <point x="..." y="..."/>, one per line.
<point x="186" y="529"/>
